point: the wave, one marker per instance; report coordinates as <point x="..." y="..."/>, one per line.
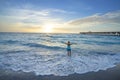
<point x="43" y="46"/>
<point x="9" y="42"/>
<point x="101" y="53"/>
<point x="60" y="65"/>
<point x="101" y="43"/>
<point x="13" y="52"/>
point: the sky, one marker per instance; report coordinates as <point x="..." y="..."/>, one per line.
<point x="59" y="16"/>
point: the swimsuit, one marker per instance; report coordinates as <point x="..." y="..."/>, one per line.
<point x="68" y="48"/>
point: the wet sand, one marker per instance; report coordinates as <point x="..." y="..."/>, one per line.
<point x="109" y="74"/>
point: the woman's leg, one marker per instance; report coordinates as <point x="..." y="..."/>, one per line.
<point x="70" y="53"/>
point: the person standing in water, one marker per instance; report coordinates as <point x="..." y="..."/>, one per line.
<point x="68" y="48"/>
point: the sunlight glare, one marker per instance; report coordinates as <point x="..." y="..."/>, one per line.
<point x="48" y="28"/>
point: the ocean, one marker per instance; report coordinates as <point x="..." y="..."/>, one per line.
<point x="45" y="53"/>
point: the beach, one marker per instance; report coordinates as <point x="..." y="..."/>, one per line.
<point x="109" y="74"/>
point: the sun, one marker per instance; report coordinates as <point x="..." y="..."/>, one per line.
<point x="48" y="28"/>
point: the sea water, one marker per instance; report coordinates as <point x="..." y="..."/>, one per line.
<point x="45" y="54"/>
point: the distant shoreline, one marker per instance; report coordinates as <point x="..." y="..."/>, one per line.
<point x="102" y="33"/>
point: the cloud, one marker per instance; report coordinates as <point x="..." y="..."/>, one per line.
<point x="33" y="17"/>
<point x="97" y="19"/>
<point x="26" y="19"/>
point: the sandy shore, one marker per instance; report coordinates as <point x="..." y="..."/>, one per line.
<point x="109" y="74"/>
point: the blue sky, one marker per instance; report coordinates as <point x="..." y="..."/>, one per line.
<point x="61" y="16"/>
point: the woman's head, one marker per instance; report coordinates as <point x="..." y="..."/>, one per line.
<point x="68" y="41"/>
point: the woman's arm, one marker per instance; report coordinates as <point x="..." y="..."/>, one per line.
<point x="73" y="43"/>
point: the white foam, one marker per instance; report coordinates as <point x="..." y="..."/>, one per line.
<point x="55" y="64"/>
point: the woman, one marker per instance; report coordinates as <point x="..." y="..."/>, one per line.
<point x="69" y="48"/>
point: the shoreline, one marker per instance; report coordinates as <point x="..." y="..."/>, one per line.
<point x="109" y="74"/>
<point x="117" y="33"/>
